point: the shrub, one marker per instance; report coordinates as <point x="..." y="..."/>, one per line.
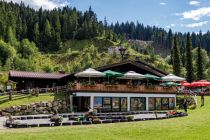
<point x="130" y="118"/>
<point x="96" y="121"/>
<point x="56" y="118"/>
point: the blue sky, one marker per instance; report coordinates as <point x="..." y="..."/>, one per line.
<point x="179" y="15"/>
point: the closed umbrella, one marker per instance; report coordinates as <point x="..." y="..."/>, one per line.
<point x="172" y="78"/>
<point x="90" y="73"/>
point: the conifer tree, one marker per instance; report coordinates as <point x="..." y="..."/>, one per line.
<point x="47" y="34"/>
<point x="176" y="58"/>
<point x="189" y="65"/>
<point x="200" y="66"/>
<point x="36" y="34"/>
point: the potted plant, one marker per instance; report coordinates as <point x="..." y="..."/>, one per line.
<point x="56" y="119"/>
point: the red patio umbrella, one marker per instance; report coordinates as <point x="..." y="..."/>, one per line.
<point x="185" y="83"/>
<point x="201" y="83"/>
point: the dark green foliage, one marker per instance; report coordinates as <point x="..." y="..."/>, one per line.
<point x="27" y="49"/>
<point x="6" y="52"/>
<point x="176" y="58"/>
<point x="189" y="65"/>
<point x="200" y="65"/>
<point x="48" y="29"/>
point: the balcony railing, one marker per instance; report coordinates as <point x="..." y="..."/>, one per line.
<point x="122" y="88"/>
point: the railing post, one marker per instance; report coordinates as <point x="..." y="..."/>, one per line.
<point x="128" y="104"/>
<point x="57" y="90"/>
<point x="71" y="103"/>
<point x="37" y="92"/>
<point x="92" y="101"/>
<point x="147" y="104"/>
<point x="10" y="95"/>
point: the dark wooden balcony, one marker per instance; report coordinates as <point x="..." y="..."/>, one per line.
<point x="120" y="88"/>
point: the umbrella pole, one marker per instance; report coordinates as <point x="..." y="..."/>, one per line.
<point x="202" y="97"/>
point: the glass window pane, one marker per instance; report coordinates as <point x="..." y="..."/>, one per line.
<point x="151" y="103"/>
<point x="106" y="104"/>
<point x="97" y="102"/>
<point x="171" y="103"/>
<point x="115" y="104"/>
<point x="138" y="104"/>
<point x="124" y="104"/>
<point x="158" y="103"/>
<point x="164" y="103"/>
<point x="107" y="100"/>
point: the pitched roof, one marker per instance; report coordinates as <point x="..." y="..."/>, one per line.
<point x="137" y="63"/>
<point x="127" y="66"/>
<point x="36" y="75"/>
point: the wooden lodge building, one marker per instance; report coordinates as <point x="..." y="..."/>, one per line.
<point x="116" y="96"/>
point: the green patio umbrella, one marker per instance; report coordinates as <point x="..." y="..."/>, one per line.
<point x="110" y="73"/>
<point x="151" y="77"/>
<point x="170" y="84"/>
<point x="114" y="74"/>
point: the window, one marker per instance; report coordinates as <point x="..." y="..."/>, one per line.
<point x="115" y="104"/>
<point x="158" y="104"/>
<point x="107" y="104"/>
<point x="171" y="103"/>
<point x="137" y="103"/>
<point x="164" y="103"/>
<point x="151" y="103"/>
<point x="124" y="104"/>
<point x="97" y="102"/>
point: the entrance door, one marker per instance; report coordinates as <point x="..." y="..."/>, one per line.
<point x="81" y="104"/>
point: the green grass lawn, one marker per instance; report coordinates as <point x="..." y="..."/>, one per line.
<point x="27" y="99"/>
<point x="194" y="127"/>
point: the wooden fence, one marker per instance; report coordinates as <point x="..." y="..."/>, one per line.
<point x="35" y="91"/>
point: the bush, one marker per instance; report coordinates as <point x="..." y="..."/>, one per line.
<point x="96" y="121"/>
<point x="56" y="118"/>
<point x="130" y="118"/>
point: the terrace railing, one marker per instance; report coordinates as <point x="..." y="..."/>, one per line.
<point x="122" y="88"/>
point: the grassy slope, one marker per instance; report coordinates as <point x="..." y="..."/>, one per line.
<point x="195" y="126"/>
<point x="27" y="99"/>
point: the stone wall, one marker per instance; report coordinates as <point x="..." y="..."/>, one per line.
<point x="37" y="108"/>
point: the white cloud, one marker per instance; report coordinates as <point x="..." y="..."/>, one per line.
<point x="195" y="25"/>
<point x="196" y="14"/>
<point x="45" y="4"/>
<point x="163" y="3"/>
<point x="196" y="3"/>
<point x="170" y="26"/>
